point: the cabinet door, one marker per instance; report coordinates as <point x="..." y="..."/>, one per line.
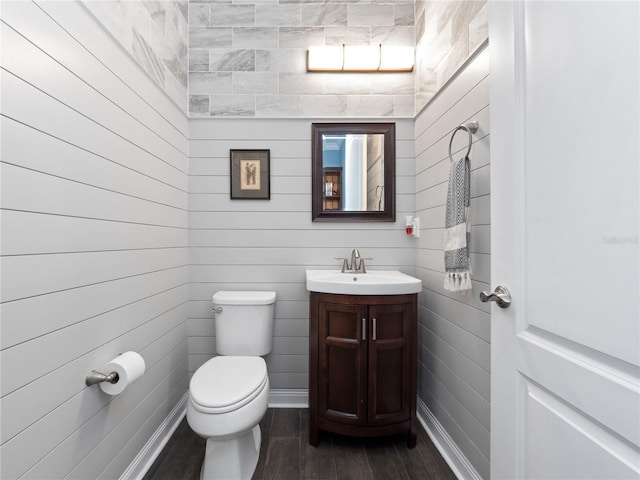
<point x="389" y="364"/>
<point x="342" y="363"/>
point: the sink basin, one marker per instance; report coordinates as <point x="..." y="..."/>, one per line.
<point x="377" y="282"/>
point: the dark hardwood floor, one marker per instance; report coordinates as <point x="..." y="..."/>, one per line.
<point x="287" y="455"/>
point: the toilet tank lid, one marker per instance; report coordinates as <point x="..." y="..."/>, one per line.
<point x="243" y="298"/>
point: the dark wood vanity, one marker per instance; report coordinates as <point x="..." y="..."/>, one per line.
<point x="362" y="371"/>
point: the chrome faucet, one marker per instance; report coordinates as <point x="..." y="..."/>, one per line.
<point x="357" y="262"/>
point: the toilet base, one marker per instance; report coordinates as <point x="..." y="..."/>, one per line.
<point x="232" y="458"/>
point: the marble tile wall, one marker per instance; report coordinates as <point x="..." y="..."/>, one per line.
<point x="447" y="34"/>
<point x="248" y="59"/>
<point x="155" y="33"/>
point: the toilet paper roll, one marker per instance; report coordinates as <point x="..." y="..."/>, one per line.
<point x="129" y="366"/>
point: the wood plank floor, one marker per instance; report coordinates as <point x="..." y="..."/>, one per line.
<point x="286" y="454"/>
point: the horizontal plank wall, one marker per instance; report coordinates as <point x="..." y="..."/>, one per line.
<point x="268" y="244"/>
<point x="454" y="328"/>
<point x="94" y="245"/>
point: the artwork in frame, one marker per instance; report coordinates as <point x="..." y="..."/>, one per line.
<point x="250" y="174"/>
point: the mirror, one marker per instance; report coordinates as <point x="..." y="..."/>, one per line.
<point x="353" y="172"/>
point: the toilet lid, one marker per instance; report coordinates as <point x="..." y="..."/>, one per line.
<point x="224" y="384"/>
<point x="243" y="298"/>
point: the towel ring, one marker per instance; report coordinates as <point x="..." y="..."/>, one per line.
<point x="471" y="127"/>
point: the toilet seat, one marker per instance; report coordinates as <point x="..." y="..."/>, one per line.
<point x="227" y="383"/>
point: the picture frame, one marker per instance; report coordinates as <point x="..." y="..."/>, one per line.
<point x="250" y="174"/>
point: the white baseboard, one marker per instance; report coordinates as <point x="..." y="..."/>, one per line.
<point x="283" y="398"/>
<point x="145" y="458"/>
<point x="445" y="444"/>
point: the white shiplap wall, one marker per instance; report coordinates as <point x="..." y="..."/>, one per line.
<point x="268" y="244"/>
<point x="454" y="329"/>
<point x="94" y="245"/>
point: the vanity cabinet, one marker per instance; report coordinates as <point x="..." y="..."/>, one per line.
<point x="362" y="353"/>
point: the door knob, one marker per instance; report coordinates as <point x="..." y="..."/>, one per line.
<point x="500" y="295"/>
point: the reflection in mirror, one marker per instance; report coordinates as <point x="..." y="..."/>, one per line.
<point x="356" y="161"/>
<point x="353" y="171"/>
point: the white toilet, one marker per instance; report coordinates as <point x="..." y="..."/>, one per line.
<point x="228" y="395"/>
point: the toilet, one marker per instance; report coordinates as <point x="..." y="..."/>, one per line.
<point x="228" y="395"/>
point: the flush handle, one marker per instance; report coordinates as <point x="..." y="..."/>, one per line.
<point x="500" y="295"/>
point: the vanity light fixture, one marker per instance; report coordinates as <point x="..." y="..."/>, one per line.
<point x="360" y="58"/>
<point x="325" y="59"/>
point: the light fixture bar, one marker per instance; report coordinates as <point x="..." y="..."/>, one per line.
<point x="360" y="58"/>
<point x="396" y="59"/>
<point x="325" y="59"/>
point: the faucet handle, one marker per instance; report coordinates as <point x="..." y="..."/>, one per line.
<point x="362" y="267"/>
<point x="345" y="263"/>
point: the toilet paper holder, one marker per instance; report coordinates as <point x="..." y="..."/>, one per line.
<point x="96" y="377"/>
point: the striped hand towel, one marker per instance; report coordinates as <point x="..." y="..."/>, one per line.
<point x="457" y="228"/>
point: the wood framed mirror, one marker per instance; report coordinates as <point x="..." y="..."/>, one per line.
<point x="353" y="172"/>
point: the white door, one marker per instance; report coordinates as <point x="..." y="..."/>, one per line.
<point x="565" y="397"/>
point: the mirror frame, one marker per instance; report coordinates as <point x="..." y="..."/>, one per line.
<point x="389" y="212"/>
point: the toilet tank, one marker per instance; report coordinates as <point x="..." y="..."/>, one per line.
<point x="244" y="322"/>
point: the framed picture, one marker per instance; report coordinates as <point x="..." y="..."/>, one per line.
<point x="250" y="174"/>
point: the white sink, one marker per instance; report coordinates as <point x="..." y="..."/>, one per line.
<point x="376" y="282"/>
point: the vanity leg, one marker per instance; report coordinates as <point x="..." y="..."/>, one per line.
<point x="313" y="432"/>
<point x="411" y="437"/>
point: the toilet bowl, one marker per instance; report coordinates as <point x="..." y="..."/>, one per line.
<point x="228" y="395"/>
